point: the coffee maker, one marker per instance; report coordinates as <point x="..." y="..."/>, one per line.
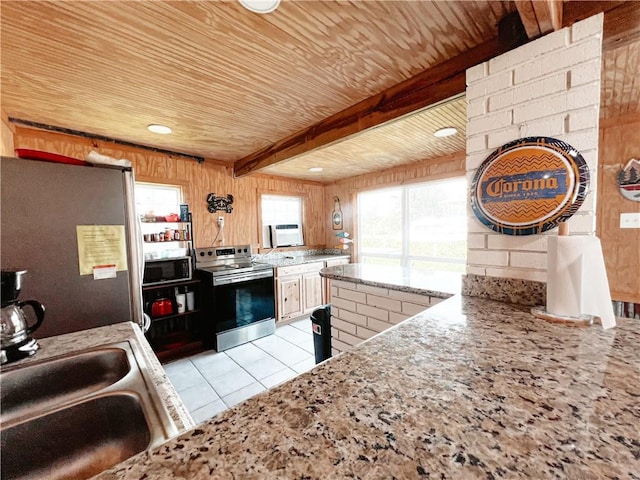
<point x="15" y="339"/>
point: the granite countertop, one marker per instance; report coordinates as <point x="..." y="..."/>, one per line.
<point x="468" y="389"/>
<point x="435" y="284"/>
<point x="96" y="337"/>
<point x="298" y="259"/>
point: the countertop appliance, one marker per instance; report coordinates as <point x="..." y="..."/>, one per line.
<point x="15" y="331"/>
<point x="42" y="204"/>
<point x="161" y="307"/>
<point x="166" y="270"/>
<point x="238" y="296"/>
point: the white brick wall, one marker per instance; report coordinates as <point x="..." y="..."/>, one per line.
<point x="548" y="87"/>
<point x="360" y="311"/>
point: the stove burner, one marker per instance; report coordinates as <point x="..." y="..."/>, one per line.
<point x="227" y="261"/>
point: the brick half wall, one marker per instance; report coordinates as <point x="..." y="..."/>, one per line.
<point x="358" y="311"/>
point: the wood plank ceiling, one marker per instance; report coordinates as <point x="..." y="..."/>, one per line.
<point x="398" y="142"/>
<point x="232" y="83"/>
<point x="229" y="82"/>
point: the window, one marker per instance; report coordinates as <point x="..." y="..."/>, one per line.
<point x="154" y="199"/>
<point x="157" y="199"/>
<point x="422" y="227"/>
<point x="279" y="209"/>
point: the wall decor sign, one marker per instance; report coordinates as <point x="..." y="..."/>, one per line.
<point x="219" y="203"/>
<point x="529" y="185"/>
<point x="336" y="216"/>
<point x="629" y="180"/>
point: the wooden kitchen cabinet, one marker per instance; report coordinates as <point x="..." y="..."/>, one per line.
<point x="312" y="290"/>
<point x="289" y="297"/>
<point x="300" y="289"/>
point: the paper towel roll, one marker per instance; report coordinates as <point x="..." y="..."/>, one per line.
<point x="577" y="279"/>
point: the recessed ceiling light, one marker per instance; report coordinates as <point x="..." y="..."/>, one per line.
<point x="260" y="6"/>
<point x="161" y="129"/>
<point x="315" y="169"/>
<point x="445" y="132"/>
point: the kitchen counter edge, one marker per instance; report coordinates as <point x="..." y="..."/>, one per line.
<point x="300" y="259"/>
<point x="532" y="400"/>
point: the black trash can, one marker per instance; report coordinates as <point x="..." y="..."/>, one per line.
<point x="321" y="326"/>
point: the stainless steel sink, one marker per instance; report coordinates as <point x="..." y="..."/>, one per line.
<point x="73" y="416"/>
<point x="39" y="385"/>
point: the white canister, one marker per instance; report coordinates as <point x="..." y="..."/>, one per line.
<point x="191" y="301"/>
<point x="181" y="302"/>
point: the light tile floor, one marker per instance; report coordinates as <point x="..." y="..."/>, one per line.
<point x="210" y="382"/>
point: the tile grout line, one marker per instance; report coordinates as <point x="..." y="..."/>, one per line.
<point x="286" y="366"/>
<point x="249" y="373"/>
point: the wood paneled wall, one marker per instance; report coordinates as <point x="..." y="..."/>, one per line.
<point x="618" y="144"/>
<point x="197" y="180"/>
<point x="6" y="136"/>
<point x="347" y="190"/>
<point x="621" y="247"/>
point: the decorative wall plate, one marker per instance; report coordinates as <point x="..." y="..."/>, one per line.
<point x="529" y="185"/>
<point x="219" y="203"/>
<point x="629" y="180"/>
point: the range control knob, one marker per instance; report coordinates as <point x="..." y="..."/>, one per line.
<point x="210" y="253"/>
<point x="202" y="254"/>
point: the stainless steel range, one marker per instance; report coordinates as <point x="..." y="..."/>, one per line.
<point x="238" y="296"/>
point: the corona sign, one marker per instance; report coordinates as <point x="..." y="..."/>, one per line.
<point x="529" y="185"/>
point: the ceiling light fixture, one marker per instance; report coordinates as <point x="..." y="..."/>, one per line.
<point x="315" y="169"/>
<point x="161" y="129"/>
<point x="445" y="132"/>
<point x="260" y="6"/>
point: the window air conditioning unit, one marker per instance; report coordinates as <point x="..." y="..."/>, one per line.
<point x="288" y="235"/>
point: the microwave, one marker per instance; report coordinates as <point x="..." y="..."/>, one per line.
<point x="166" y="270"/>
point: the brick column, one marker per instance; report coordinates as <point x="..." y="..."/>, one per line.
<point x="549" y="87"/>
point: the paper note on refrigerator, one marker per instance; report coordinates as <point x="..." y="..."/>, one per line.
<point x="101" y="245"/>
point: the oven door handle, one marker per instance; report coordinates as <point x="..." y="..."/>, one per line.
<point x="240" y="278"/>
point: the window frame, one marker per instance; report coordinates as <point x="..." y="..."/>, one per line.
<point x="404" y="257"/>
<point x="154" y="182"/>
<point x="304" y="198"/>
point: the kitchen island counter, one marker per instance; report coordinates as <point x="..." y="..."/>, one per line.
<point x="435" y="284"/>
<point x="469" y="388"/>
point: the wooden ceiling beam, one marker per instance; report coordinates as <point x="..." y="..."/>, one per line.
<point x="621" y="26"/>
<point x="446" y="80"/>
<point x="528" y="17"/>
<point x="428" y="88"/>
<point x="621" y="20"/>
<point x="540" y="17"/>
<point x="549" y="14"/>
<point x="577" y="10"/>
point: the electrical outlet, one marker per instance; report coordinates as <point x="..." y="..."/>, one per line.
<point x="221" y="222"/>
<point x="630" y="220"/>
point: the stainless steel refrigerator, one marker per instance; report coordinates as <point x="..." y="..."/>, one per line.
<point x="42" y="203"/>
